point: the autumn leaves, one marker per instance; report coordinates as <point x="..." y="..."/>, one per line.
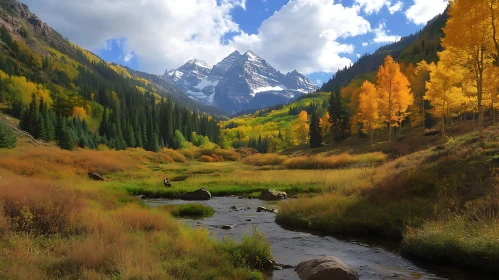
<point x="464" y="81"/>
<point x="387" y="101"/>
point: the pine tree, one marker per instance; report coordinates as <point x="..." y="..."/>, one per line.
<point x="315" y="131"/>
<point x="17" y="108"/>
<point x="339" y="116"/>
<point x="65" y="140"/>
<point x="154" y="144"/>
<point x="32" y="116"/>
<point x="40" y="132"/>
<point x="104" y="126"/>
<point x="7" y="138"/>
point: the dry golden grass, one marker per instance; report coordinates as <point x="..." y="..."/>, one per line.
<point x="135" y="218"/>
<point x="265" y="159"/>
<point x="316" y="161"/>
<point x="334" y="161"/>
<point x="54" y="163"/>
<point x="40" y="208"/>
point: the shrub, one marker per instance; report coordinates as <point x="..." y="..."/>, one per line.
<point x="228" y="155"/>
<point x="190" y="152"/>
<point x="254" y="251"/>
<point x="189" y="210"/>
<point x="211" y="158"/>
<point x="205" y="158"/>
<point x="265" y="159"/>
<point x="40" y="208"/>
<point x="177" y="156"/>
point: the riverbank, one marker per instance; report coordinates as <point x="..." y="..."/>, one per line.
<point x="372" y="258"/>
<point x="441" y="203"/>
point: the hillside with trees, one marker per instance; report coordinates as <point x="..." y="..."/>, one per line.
<point x="63" y="93"/>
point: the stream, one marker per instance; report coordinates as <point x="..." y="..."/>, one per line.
<point x="369" y="258"/>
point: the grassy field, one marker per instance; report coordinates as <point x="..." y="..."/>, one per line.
<point x="55" y="223"/>
<point x="441" y="202"/>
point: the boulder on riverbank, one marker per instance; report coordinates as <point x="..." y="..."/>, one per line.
<point x="272" y="194"/>
<point x="201" y="194"/>
<point x="325" y="268"/>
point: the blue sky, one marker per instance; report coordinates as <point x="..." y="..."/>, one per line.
<point x="315" y="37"/>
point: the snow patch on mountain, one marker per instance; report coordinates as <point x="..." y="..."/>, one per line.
<point x="206" y="83"/>
<point x="264" y="89"/>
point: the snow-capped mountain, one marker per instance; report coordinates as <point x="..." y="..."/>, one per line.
<point x="239" y="82"/>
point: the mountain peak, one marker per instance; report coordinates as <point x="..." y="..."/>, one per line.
<point x="236" y="52"/>
<point x="197" y="62"/>
<point x="251" y="55"/>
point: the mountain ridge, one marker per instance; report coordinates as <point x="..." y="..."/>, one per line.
<point x="238" y="82"/>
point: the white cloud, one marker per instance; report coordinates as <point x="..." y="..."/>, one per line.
<point x="365" y="44"/>
<point x="381" y="35"/>
<point x="358" y="55"/>
<point x="303" y="35"/>
<point x="162" y="34"/>
<point x="396" y="7"/>
<point x="424" y="10"/>
<point x="372" y="6"/>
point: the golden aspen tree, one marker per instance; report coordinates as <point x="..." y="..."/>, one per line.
<point x="368" y="108"/>
<point x="395" y="94"/>
<point x="444" y="90"/>
<point x="300" y="128"/>
<point x="418" y="79"/>
<point x="493" y="13"/>
<point x="326" y="127"/>
<point x="491" y="90"/>
<point x="469" y="29"/>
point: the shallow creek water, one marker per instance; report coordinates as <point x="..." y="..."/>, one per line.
<point x="370" y="259"/>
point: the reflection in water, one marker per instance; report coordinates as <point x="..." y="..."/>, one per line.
<point x="292" y="247"/>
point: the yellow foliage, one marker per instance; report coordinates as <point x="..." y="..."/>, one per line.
<point x="300" y="128"/>
<point x="368" y="107"/>
<point x="394" y="91"/>
<point x="444" y="88"/>
<point x="26" y="89"/>
<point x="79" y="112"/>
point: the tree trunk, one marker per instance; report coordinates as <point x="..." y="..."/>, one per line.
<point x="443" y="126"/>
<point x="372" y="137"/>
<point x="480" y="93"/>
<point x="390" y="128"/>
<point x="493" y="112"/>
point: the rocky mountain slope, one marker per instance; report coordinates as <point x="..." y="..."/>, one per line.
<point x="238" y="82"/>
